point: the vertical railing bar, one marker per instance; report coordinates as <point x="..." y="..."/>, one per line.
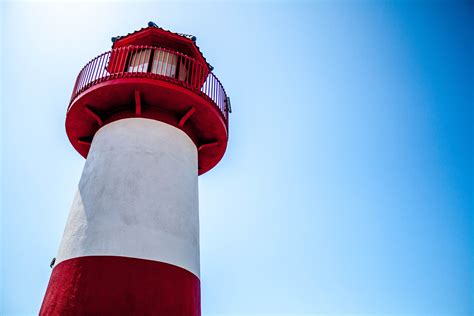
<point x="204" y="87"/>
<point x="133" y="56"/>
<point x="149" y="59"/>
<point x="187" y="71"/>
<point x="76" y="85"/>
<point x="201" y="77"/>
<point x="155" y="66"/>
<point x="192" y="71"/>
<point x="94" y="67"/>
<point x="140" y="54"/>
<point x="112" y="67"/>
<point x="122" y="61"/>
<point x="141" y="59"/>
<point x="214" y="90"/>
<point x="89" y="68"/>
<point x="97" y="70"/>
<point x="198" y="77"/>
<point x="128" y="58"/>
<point x="101" y="66"/>
<point x="219" y="97"/>
<point x="105" y="74"/>
<point x="207" y="86"/>
<point x="131" y="62"/>
<point x="78" y="80"/>
<point x="159" y="64"/>
<point x="144" y="58"/>
<point x="152" y="59"/>
<point x="184" y="63"/>
<point x="84" y="77"/>
<point x="137" y="55"/>
<point x="166" y="64"/>
<point x="101" y="69"/>
<point x="174" y="62"/>
<point x="222" y="100"/>
<point x="211" y="90"/>
<point x="81" y="80"/>
<point x="102" y="75"/>
<point x="193" y="75"/>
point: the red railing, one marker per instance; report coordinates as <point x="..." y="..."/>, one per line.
<point x="157" y="63"/>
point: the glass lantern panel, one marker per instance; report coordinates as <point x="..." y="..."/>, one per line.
<point x="139" y="61"/>
<point x="164" y="63"/>
<point x="183" y="71"/>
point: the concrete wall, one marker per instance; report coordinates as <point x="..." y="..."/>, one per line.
<point x="137" y="197"/>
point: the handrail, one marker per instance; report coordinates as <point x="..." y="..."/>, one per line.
<point x="156" y="63"/>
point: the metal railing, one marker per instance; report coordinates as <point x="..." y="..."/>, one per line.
<point x="155" y="63"/>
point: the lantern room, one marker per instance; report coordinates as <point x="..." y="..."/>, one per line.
<point x="169" y="61"/>
<point x="157" y="74"/>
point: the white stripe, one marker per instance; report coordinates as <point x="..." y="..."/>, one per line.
<point x="138" y="196"/>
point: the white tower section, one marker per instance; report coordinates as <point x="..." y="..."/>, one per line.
<point x="137" y="197"/>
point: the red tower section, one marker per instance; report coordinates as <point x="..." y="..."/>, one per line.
<point x="152" y="73"/>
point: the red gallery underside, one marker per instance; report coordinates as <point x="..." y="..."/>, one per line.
<point x="108" y="285"/>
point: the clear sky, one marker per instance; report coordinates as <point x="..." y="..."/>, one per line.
<point x="347" y="187"/>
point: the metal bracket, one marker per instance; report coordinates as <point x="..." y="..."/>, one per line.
<point x="94" y="115"/>
<point x="138" y="103"/>
<point x="186" y="116"/>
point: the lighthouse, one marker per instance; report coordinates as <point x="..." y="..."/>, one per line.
<point x="149" y="116"/>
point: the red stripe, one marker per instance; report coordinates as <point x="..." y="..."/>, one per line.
<point x="107" y="285"/>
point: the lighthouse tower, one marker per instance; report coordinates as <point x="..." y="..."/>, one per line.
<point x="149" y="116"/>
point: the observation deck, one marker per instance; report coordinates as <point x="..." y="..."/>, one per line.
<point x="152" y="82"/>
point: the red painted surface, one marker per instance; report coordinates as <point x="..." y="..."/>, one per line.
<point x="158" y="37"/>
<point x="107" y="285"/>
<point x="160" y="100"/>
<point x="107" y="89"/>
<point x="138" y="103"/>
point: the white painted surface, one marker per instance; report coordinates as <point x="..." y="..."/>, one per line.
<point x="137" y="197"/>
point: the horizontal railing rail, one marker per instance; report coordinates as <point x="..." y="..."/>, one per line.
<point x="156" y="63"/>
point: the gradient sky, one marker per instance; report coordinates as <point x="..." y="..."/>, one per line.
<point x="348" y="183"/>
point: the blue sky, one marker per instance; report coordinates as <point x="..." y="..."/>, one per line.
<point x="347" y="187"/>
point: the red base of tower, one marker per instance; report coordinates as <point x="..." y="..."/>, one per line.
<point x="108" y="285"/>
